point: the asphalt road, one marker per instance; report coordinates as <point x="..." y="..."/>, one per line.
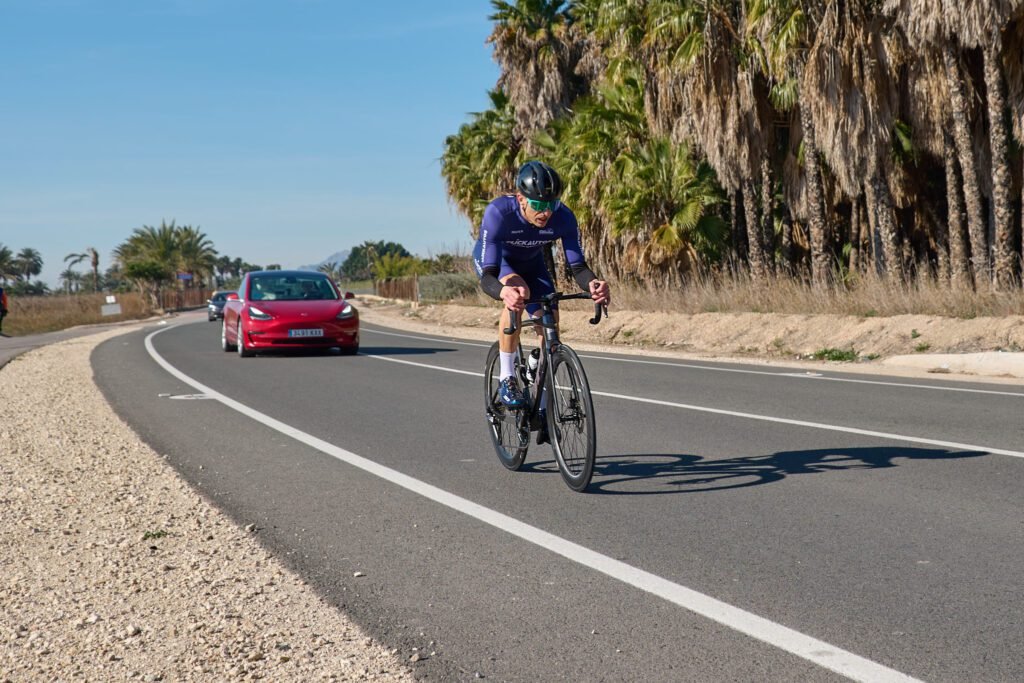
<point x="744" y="524"/>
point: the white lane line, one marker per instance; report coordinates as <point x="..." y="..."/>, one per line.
<point x="753" y="416"/>
<point x="811" y="649"/>
<point x="711" y="368"/>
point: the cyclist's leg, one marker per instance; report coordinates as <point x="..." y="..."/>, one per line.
<point x="509" y="343"/>
<point x="536" y="275"/>
<point x="508" y="346"/>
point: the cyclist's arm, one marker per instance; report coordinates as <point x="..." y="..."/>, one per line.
<point x="490" y="283"/>
<point x="490" y="253"/>
<point x="581" y="272"/>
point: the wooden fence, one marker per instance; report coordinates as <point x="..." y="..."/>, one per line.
<point x="407" y="288"/>
<point x="182" y="299"/>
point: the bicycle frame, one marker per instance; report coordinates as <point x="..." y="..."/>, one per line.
<point x="549" y="344"/>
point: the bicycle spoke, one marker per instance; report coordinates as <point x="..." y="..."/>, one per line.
<point x="509" y="432"/>
<point x="571" y="418"/>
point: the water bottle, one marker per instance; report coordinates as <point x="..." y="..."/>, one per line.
<point x="531" y="364"/>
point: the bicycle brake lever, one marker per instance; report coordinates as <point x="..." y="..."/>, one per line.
<point x="511" y="329"/>
<point x="597" y="313"/>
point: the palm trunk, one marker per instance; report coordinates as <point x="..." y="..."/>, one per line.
<point x="755" y="247"/>
<point x="788" y="257"/>
<point x="888" y="231"/>
<point x="965" y="151"/>
<point x="821" y="266"/>
<point x="939" y="237"/>
<point x="736" y="234"/>
<point x="768" y="215"/>
<point x="1001" y="179"/>
<point x="855" y="233"/>
<point x="959" y="266"/>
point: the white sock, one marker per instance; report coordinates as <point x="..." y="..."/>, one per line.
<point x="508" y="363"/>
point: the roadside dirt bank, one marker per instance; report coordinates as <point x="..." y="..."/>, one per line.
<point x="114" y="569"/>
<point x="901" y="345"/>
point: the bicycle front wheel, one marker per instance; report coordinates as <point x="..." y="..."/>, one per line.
<point x="509" y="429"/>
<point x="571" y="425"/>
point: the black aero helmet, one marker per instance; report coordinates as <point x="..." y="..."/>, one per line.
<point x="537" y="180"/>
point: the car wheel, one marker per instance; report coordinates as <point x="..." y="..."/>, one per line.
<point x="349" y="350"/>
<point x="225" y="345"/>
<point x="242" y="351"/>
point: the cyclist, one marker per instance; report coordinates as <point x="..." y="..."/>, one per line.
<point x="509" y="259"/>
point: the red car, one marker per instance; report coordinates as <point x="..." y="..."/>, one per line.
<point x="289" y="309"/>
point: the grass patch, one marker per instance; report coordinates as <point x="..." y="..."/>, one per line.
<point x="845" y="355"/>
<point x="921" y="348"/>
<point x="914" y="334"/>
<point x="160" y="533"/>
<point x="36" y="314"/>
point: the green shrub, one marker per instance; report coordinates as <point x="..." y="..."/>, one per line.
<point x="835" y="354"/>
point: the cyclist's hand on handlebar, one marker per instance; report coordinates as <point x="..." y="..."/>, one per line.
<point x="514" y="297"/>
<point x="600" y="292"/>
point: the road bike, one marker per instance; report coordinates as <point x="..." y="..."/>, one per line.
<point x="568" y="404"/>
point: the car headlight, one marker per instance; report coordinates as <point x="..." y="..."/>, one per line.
<point x="347" y="312"/>
<point x="257" y="314"/>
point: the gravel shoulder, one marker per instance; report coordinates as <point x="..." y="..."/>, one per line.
<point x="112" y="568"/>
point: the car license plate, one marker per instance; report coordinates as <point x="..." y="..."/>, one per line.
<point x="306" y="333"/>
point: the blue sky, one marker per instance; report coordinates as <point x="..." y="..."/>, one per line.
<point x="286" y="131"/>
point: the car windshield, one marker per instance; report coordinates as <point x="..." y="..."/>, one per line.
<point x="290" y="288"/>
<point x="220" y="296"/>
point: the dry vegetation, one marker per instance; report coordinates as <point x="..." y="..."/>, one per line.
<point x="867" y="297"/>
<point x="35" y="314"/>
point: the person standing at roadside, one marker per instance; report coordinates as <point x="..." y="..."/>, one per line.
<point x="3" y="308"/>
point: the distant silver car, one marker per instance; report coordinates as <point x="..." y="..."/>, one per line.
<point x="215" y="305"/>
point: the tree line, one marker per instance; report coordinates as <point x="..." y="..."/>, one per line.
<point x="819" y="140"/>
<point x="150" y="259"/>
<point x="381" y="260"/>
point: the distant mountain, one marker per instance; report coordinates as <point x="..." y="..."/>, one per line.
<point x="337" y="257"/>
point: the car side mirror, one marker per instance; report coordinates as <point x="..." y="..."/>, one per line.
<point x="232" y="297"/>
<point x="209" y="301"/>
<point x="349" y="295"/>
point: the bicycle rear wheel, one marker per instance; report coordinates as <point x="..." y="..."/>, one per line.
<point x="571" y="425"/>
<point x="509" y="429"/>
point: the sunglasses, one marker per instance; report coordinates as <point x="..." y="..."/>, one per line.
<point x="541" y="205"/>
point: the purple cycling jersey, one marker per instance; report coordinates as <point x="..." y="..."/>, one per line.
<point x="505" y="235"/>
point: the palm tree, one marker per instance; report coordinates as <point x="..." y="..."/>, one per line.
<point x="538" y="50"/>
<point x="929" y="25"/>
<point x="72" y="280"/>
<point x="27" y="263"/>
<point x="783" y="31"/>
<point x="93" y="257"/>
<point x="850" y="76"/>
<point x="480" y="160"/>
<point x="150" y="257"/>
<point x="223" y="265"/>
<point x="661" y="186"/>
<point x="159" y="245"/>
<point x="196" y="254"/>
<point x="8" y="271"/>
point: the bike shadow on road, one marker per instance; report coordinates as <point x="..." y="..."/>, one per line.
<point x="662" y="473"/>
